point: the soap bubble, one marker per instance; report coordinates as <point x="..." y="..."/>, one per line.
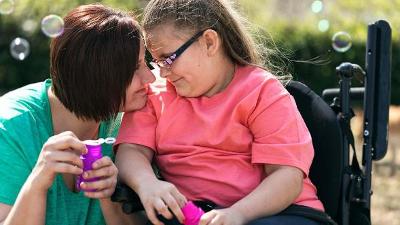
<point x="52" y="26"/>
<point x="323" y="25"/>
<point x="6" y="7"/>
<point x="317" y="6"/>
<point x="341" y="41"/>
<point x="19" y="48"/>
<point x="29" y="26"/>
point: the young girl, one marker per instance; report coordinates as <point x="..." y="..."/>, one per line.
<point x="224" y="130"/>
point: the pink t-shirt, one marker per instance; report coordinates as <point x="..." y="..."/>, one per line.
<point x="214" y="148"/>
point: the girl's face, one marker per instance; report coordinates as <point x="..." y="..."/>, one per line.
<point x="192" y="72"/>
<point x="136" y="93"/>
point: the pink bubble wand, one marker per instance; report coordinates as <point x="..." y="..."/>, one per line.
<point x="192" y="213"/>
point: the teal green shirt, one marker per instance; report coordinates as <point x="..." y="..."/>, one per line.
<point x="25" y="125"/>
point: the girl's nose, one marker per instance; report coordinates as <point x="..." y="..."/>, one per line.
<point x="164" y="72"/>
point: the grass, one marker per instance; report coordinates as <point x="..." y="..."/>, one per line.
<point x="385" y="203"/>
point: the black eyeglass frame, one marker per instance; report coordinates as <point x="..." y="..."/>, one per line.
<point x="167" y="62"/>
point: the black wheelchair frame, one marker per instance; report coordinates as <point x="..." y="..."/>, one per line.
<point x="344" y="186"/>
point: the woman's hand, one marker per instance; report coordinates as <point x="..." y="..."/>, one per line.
<point x="106" y="172"/>
<point x="227" y="216"/>
<point x="60" y="154"/>
<point x="163" y="198"/>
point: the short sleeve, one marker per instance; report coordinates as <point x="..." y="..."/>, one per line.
<point x="139" y="127"/>
<point x="14" y="168"/>
<point x="280" y="134"/>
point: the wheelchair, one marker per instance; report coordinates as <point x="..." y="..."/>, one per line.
<point x="344" y="185"/>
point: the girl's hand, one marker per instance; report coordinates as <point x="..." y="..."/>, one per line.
<point x="162" y="198"/>
<point x="60" y="154"/>
<point x="227" y="216"/>
<point x="106" y="172"/>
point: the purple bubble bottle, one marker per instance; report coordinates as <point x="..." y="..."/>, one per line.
<point x="93" y="154"/>
<point x="192" y="213"/>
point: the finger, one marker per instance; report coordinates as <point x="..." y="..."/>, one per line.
<point x="64" y="157"/>
<point x="207" y="217"/>
<point x="100" y="184"/>
<point x="103" y="162"/>
<point x="109" y="171"/>
<point x="60" y="167"/>
<point x="151" y="215"/>
<point x="67" y="133"/>
<point x="62" y="134"/>
<point x="65" y="142"/>
<point x="173" y="205"/>
<point x="180" y="198"/>
<point x="162" y="209"/>
<point x="216" y="220"/>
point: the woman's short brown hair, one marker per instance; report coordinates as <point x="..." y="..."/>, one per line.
<point x="93" y="61"/>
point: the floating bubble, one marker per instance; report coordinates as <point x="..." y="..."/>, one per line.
<point x="29" y="26"/>
<point x="323" y="25"/>
<point x="341" y="41"/>
<point x="52" y="26"/>
<point x="19" y="48"/>
<point x="6" y="7"/>
<point x="317" y="6"/>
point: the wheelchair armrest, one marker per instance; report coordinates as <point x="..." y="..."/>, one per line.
<point x="131" y="202"/>
<point x="356" y="93"/>
<point x="128" y="198"/>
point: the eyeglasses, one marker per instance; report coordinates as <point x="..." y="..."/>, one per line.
<point x="167" y="62"/>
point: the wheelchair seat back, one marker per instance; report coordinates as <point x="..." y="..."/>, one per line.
<point x="327" y="167"/>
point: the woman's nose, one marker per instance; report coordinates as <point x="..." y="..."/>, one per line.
<point x="148" y="77"/>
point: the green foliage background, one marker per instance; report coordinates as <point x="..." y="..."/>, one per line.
<point x="288" y="24"/>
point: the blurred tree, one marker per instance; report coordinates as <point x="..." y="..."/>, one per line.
<point x="291" y="25"/>
<point x="24" y="22"/>
<point x="294" y="27"/>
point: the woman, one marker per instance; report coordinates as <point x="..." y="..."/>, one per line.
<point x="97" y="69"/>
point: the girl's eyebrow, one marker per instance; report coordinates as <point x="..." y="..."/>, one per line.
<point x="163" y="55"/>
<point x="166" y="55"/>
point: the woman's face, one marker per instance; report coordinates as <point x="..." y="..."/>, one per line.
<point x="190" y="72"/>
<point x="136" y="93"/>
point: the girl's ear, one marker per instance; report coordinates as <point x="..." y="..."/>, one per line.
<point x="212" y="41"/>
